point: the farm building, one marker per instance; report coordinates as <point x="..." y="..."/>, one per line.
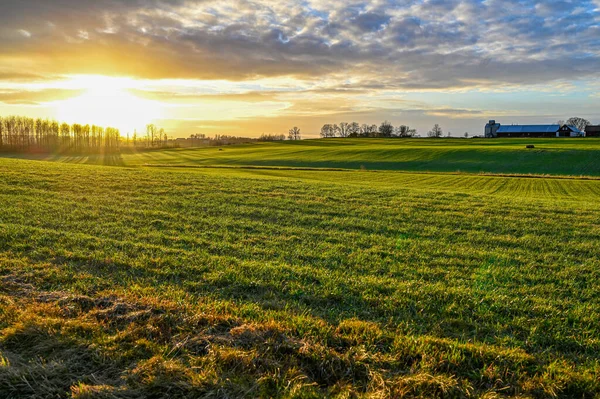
<point x="592" y="131"/>
<point x="493" y="129"/>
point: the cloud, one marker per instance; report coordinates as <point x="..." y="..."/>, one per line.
<point x="370" y="21"/>
<point x="17" y="76"/>
<point x="174" y="97"/>
<point x="410" y="44"/>
<point x="455" y="113"/>
<point x="19" y="97"/>
<point x="317" y="61"/>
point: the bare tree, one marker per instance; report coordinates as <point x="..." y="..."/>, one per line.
<point x="39" y="123"/>
<point x="368" y="130"/>
<point x="162" y="136"/>
<point x="327" y="131"/>
<point x="373" y="130"/>
<point x="579" y="123"/>
<point x="151" y="134"/>
<point x="336" y="130"/>
<point x="294" y="133"/>
<point x="364" y="130"/>
<point x="386" y="129"/>
<point x="436" y="131"/>
<point x="86" y="136"/>
<point x="100" y="138"/>
<point x="65" y="131"/>
<point x="353" y="129"/>
<point x="271" y="137"/>
<point x="11" y="131"/>
<point x="343" y="131"/>
<point x="55" y="132"/>
<point x="405" y="131"/>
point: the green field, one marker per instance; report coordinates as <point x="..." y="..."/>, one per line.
<point x="503" y="156"/>
<point x="187" y="282"/>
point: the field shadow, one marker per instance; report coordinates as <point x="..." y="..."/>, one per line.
<point x="107" y="159"/>
<point x="114" y="159"/>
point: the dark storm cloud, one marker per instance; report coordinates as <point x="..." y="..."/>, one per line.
<point x="400" y="44"/>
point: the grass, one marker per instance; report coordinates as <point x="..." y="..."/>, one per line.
<point x="503" y="156"/>
<point x="192" y="282"/>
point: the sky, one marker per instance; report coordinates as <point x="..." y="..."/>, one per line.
<point x="247" y="67"/>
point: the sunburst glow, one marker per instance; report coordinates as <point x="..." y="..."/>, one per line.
<point x="108" y="102"/>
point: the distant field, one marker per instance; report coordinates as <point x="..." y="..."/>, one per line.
<point x="192" y="282"/>
<point x="551" y="156"/>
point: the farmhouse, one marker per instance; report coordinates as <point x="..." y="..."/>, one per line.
<point x="592" y="131"/>
<point x="493" y="129"/>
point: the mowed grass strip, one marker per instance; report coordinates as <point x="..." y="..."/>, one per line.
<point x="245" y="283"/>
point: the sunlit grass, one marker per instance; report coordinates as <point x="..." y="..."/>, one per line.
<point x="122" y="282"/>
<point x="573" y="157"/>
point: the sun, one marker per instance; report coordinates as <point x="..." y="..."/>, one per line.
<point x="108" y="102"/>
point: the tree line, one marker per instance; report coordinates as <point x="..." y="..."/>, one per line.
<point x="271" y="137"/>
<point x="155" y="137"/>
<point x="18" y="133"/>
<point x="354" y="129"/>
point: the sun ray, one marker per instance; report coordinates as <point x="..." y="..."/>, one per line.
<point x="108" y="102"/>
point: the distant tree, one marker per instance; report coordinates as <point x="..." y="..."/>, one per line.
<point x="100" y="136"/>
<point x="11" y="131"/>
<point x="272" y="137"/>
<point x="86" y="136"/>
<point x="294" y="133"/>
<point x="327" y="131"/>
<point x="364" y="130"/>
<point x="117" y="138"/>
<point x="353" y="129"/>
<point x="336" y="130"/>
<point x="148" y="134"/>
<point x="579" y="123"/>
<point x="343" y="129"/>
<point x="405" y="131"/>
<point x="77" y="130"/>
<point x="561" y="122"/>
<point x="386" y="129"/>
<point x="65" y="131"/>
<point x="151" y="135"/>
<point x="54" y="132"/>
<point x="94" y="136"/>
<point x="368" y="130"/>
<point x="466" y="135"/>
<point x="436" y="131"/>
<point x="39" y="124"/>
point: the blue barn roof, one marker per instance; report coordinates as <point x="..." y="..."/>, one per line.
<point x="575" y="129"/>
<point x="528" y="128"/>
